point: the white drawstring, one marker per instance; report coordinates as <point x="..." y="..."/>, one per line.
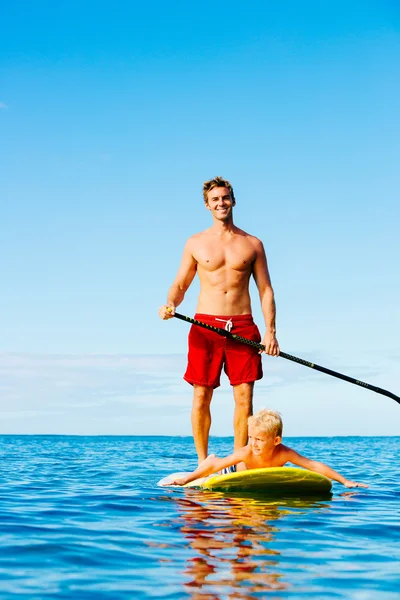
<point x="228" y="323"/>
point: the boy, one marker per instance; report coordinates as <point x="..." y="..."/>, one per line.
<point x="264" y="449"/>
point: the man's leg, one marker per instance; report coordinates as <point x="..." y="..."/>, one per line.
<point x="201" y="419"/>
<point x="243" y="395"/>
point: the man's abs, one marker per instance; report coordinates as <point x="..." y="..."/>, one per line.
<point x="223" y="300"/>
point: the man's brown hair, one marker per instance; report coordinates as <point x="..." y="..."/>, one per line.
<point x="217" y="182"/>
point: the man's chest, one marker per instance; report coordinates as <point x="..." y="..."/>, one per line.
<point x="233" y="255"/>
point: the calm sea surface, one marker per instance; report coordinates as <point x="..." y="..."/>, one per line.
<point x="82" y="517"/>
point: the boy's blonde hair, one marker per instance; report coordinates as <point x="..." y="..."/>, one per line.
<point x="267" y="420"/>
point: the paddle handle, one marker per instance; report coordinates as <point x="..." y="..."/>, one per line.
<point x="300" y="361"/>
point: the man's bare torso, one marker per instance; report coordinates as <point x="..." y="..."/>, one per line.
<point x="224" y="263"/>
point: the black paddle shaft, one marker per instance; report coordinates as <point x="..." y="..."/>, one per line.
<point x="301" y="361"/>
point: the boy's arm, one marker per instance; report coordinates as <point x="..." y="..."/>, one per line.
<point x="212" y="464"/>
<point x="183" y="279"/>
<point x="319" y="467"/>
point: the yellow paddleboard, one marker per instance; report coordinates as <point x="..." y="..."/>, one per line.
<point x="270" y="480"/>
<point x="273" y="479"/>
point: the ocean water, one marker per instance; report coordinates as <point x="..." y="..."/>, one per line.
<point x="82" y="517"/>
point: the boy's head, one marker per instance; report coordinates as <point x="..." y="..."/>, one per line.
<point x="267" y="421"/>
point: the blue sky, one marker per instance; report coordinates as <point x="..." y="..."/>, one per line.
<point x="111" y="117"/>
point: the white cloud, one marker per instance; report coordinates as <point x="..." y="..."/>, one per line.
<point x="143" y="394"/>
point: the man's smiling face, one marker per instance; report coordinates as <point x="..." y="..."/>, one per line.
<point x="220" y="203"/>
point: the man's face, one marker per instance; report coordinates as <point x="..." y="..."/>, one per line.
<point x="220" y="203"/>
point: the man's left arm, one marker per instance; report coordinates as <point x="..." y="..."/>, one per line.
<point x="267" y="299"/>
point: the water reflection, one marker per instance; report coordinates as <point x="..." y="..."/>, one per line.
<point x="232" y="538"/>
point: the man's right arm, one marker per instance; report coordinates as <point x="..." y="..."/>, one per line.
<point x="183" y="279"/>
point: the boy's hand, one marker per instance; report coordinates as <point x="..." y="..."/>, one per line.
<point x="178" y="481"/>
<point x="353" y="484"/>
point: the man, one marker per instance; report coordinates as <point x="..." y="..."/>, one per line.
<point x="224" y="257"/>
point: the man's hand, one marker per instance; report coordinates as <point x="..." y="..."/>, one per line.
<point x="271" y="345"/>
<point x="352" y="484"/>
<point x="166" y="311"/>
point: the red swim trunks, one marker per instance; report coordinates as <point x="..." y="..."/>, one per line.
<point x="209" y="352"/>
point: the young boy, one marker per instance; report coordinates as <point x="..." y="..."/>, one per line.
<point x="264" y="449"/>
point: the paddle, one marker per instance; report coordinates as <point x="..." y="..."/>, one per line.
<point x="301" y="361"/>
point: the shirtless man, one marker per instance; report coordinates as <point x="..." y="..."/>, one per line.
<point x="224" y="257"/>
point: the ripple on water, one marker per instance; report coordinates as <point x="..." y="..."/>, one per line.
<point x="83" y="518"/>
